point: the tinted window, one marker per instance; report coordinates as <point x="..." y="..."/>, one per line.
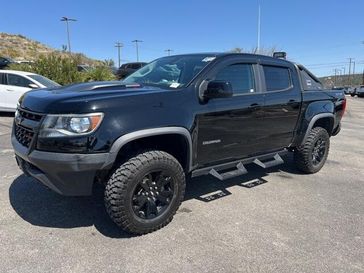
<point x="240" y="76"/>
<point x="276" y="78"/>
<point x="2" y="78"/>
<point x="17" y="80"/>
<point x="135" y="66"/>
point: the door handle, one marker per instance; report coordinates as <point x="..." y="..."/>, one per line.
<point x="254" y="106"/>
<point x="10" y="90"/>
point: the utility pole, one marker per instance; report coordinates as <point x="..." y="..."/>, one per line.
<point x="66" y="19"/>
<point x="335" y="70"/>
<point x="119" y="46"/>
<point x="168" y="51"/>
<point x="354" y="71"/>
<point x="137" y="47"/>
<point x="258" y="42"/>
<point x="350" y="60"/>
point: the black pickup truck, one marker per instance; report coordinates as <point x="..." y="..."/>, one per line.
<point x="177" y="117"/>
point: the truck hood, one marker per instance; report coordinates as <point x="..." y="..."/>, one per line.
<point x="74" y="98"/>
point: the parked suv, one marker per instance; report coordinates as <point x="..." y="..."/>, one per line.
<point x="4" y="62"/>
<point x="128" y="68"/>
<point x="178" y="116"/>
<point x="358" y="91"/>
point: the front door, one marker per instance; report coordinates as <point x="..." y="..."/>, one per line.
<point x="230" y="128"/>
<point x="16" y="86"/>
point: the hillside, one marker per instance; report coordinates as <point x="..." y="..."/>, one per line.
<point x="21" y="48"/>
<point x="342" y="80"/>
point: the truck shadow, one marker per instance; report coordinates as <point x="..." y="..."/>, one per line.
<point x="39" y="206"/>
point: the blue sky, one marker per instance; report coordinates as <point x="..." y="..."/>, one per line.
<point x="318" y="33"/>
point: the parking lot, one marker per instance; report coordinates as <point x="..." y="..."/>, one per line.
<point x="274" y="220"/>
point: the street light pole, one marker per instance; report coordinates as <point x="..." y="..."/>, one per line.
<point x="66" y="19"/>
<point x="119" y="46"/>
<point x="137" y="47"/>
<point x="258" y="38"/>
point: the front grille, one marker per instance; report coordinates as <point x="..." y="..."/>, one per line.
<point x="30" y="115"/>
<point x="25" y="125"/>
<point x="23" y="135"/>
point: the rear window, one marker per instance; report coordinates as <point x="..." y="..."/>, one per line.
<point x="309" y="83"/>
<point x="277" y="78"/>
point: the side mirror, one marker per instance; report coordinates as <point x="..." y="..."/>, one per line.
<point x="218" y="89"/>
<point x="33" y="86"/>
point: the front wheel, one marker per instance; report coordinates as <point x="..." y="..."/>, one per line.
<point x="144" y="193"/>
<point x="311" y="156"/>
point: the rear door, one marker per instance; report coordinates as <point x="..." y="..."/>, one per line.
<point x="16" y="86"/>
<point x="282" y="101"/>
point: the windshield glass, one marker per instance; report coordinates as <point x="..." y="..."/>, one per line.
<point x="171" y="72"/>
<point x="45" y="81"/>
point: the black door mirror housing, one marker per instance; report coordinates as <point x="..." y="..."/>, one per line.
<point x="218" y="89"/>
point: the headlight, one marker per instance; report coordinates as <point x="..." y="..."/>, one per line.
<point x="70" y="125"/>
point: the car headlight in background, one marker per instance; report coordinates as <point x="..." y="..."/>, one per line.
<point x="70" y="125"/>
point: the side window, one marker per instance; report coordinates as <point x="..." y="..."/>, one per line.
<point x="240" y="76"/>
<point x="135" y="66"/>
<point x="17" y="80"/>
<point x="2" y="78"/>
<point x="277" y="78"/>
<point x="308" y="82"/>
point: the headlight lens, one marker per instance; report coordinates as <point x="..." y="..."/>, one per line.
<point x="70" y="125"/>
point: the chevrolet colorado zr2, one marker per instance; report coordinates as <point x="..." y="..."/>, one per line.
<point x="178" y="116"/>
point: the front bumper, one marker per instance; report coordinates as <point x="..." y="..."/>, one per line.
<point x="66" y="174"/>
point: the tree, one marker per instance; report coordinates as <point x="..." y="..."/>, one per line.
<point x="109" y="62"/>
<point x="263" y="51"/>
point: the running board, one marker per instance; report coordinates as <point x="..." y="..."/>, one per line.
<point x="218" y="170"/>
<point x="276" y="161"/>
<point x="240" y="170"/>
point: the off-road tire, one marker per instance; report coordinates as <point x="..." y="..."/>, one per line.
<point x="122" y="183"/>
<point x="303" y="157"/>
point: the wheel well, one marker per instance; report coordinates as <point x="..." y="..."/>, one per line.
<point x="174" y="144"/>
<point x="327" y="123"/>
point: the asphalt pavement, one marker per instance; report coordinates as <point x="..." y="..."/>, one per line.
<point x="274" y="220"/>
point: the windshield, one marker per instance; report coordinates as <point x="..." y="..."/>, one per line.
<point x="44" y="81"/>
<point x="171" y="72"/>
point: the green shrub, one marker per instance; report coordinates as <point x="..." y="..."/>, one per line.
<point x="99" y="73"/>
<point x="63" y="69"/>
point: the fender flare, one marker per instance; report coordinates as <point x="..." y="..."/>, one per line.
<point x="124" y="139"/>
<point x="313" y="120"/>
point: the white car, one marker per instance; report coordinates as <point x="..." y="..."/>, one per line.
<point x="13" y="84"/>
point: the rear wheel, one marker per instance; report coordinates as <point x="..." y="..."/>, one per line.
<point x="311" y="156"/>
<point x="144" y="193"/>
